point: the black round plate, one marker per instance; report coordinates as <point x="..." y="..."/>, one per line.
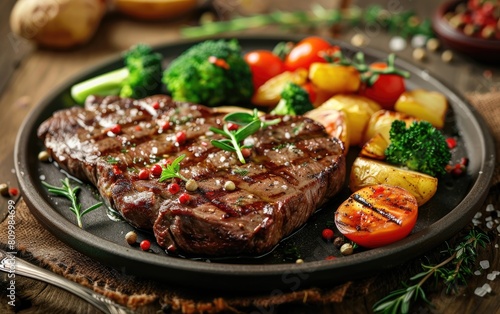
<point x="102" y="238"/>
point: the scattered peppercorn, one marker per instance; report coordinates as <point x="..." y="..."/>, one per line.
<point x="246" y="152"/>
<point x="4" y="189"/>
<point x="180" y="137"/>
<point x="184" y="198"/>
<point x="43" y="156"/>
<point x="131" y="237"/>
<point x="145" y="245"/>
<point x="338" y="242"/>
<point x="232" y="126"/>
<point x="447" y="56"/>
<point x="144" y="174"/>
<point x="174" y="188"/>
<point x="191" y="185"/>
<point x="330" y="258"/>
<point x="13" y="191"/>
<point x="346" y="249"/>
<point x="419" y="54"/>
<point x="156" y="105"/>
<point x="432" y="44"/>
<point x="229" y="186"/>
<point x="452" y="143"/>
<point x="116" y="129"/>
<point x="299" y="261"/>
<point x="156" y="170"/>
<point x="327" y="234"/>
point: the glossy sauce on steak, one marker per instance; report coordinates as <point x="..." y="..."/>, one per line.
<point x="294" y="168"/>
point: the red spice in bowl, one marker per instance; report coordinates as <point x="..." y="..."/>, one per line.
<point x="452" y="30"/>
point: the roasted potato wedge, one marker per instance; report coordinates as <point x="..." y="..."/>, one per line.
<point x="375" y="147"/>
<point x="424" y="105"/>
<point x="334" y="78"/>
<point x="380" y="123"/>
<point x="358" y="110"/>
<point x="269" y="94"/>
<point x="335" y="123"/>
<point x="368" y="172"/>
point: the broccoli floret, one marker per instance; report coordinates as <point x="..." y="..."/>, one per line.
<point x="294" y="101"/>
<point x="212" y="72"/>
<point x="140" y="77"/>
<point x="420" y="147"/>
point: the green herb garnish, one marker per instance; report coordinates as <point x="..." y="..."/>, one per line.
<point x="112" y="160"/>
<point x="250" y="124"/>
<point x="452" y="271"/>
<point x="71" y="193"/>
<point x="173" y="170"/>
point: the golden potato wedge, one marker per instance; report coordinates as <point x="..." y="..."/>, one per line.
<point x="269" y="94"/>
<point x="375" y="147"/>
<point x="358" y="110"/>
<point x="424" y="105"/>
<point x="335" y="123"/>
<point x="368" y="172"/>
<point x="334" y="78"/>
<point x="380" y="123"/>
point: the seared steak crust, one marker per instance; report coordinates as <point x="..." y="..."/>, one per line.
<point x="294" y="168"/>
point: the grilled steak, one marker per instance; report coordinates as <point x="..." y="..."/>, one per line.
<point x="294" y="168"/>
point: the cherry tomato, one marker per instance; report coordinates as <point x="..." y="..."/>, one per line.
<point x="309" y="88"/>
<point x="264" y="65"/>
<point x="386" y="89"/>
<point x="306" y="52"/>
<point x="375" y="216"/>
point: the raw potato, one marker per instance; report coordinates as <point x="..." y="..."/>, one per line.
<point x="334" y="78"/>
<point x="358" y="110"/>
<point x="424" y="105"/>
<point x="154" y="9"/>
<point x="269" y="94"/>
<point x="381" y="121"/>
<point x="335" y="123"/>
<point x="57" y="24"/>
<point x="368" y="172"/>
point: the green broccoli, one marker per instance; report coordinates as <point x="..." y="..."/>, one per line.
<point x="294" y="101"/>
<point x="420" y="147"/>
<point x="140" y="77"/>
<point x="212" y="72"/>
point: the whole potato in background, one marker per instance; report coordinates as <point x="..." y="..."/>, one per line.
<point x="57" y="23"/>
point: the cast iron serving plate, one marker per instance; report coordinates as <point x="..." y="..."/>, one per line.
<point x="103" y="235"/>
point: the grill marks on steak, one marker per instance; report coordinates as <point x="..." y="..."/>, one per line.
<point x="294" y="169"/>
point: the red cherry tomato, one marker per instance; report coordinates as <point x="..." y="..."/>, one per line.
<point x="375" y="216"/>
<point x="386" y="89"/>
<point x="264" y="65"/>
<point x="307" y="51"/>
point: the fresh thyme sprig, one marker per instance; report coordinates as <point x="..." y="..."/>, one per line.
<point x="453" y="271"/>
<point x="173" y="170"/>
<point x="71" y="193"/>
<point x="250" y="124"/>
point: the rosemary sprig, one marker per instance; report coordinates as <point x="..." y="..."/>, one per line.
<point x="317" y="16"/>
<point x="71" y="193"/>
<point x="453" y="271"/>
<point x="173" y="170"/>
<point x="250" y="124"/>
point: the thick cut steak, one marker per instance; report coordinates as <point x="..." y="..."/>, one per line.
<point x="294" y="168"/>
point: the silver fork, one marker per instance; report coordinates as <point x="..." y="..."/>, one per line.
<point x="11" y="264"/>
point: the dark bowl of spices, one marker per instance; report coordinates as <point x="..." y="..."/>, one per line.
<point x="470" y="27"/>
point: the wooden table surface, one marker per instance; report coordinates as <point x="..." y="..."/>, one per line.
<point x="35" y="72"/>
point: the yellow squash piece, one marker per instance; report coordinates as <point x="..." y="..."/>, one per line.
<point x="358" y="110"/>
<point x="269" y="94"/>
<point x="368" y="172"/>
<point x="334" y="78"/>
<point x="425" y="105"/>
